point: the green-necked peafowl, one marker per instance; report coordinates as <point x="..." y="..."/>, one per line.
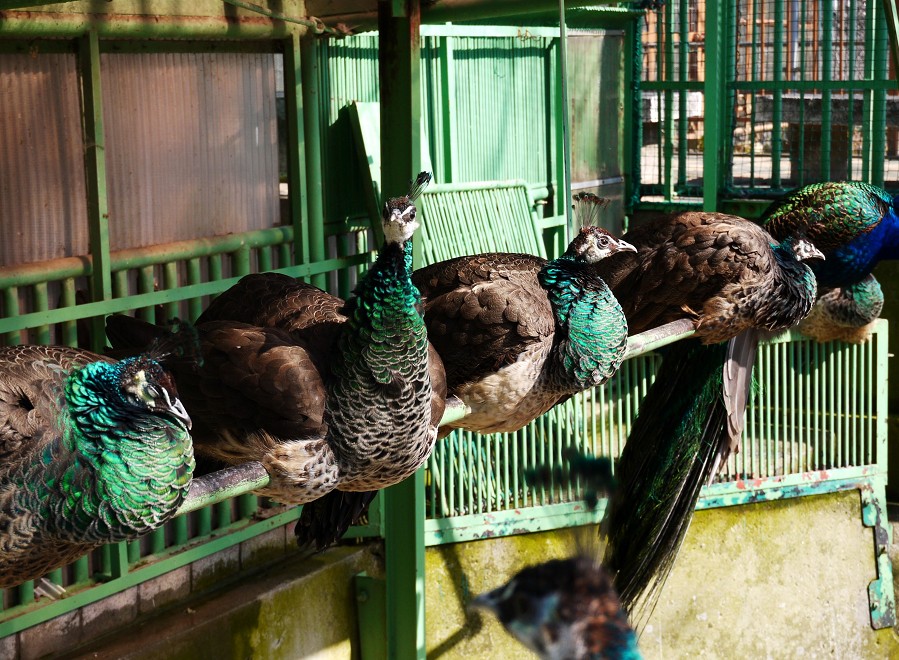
<point x="327" y="395"/>
<point x="567" y="608"/>
<point x="93" y="451"/>
<point x="855" y="225"/>
<point x="735" y="281"/>
<point x="518" y="334"/>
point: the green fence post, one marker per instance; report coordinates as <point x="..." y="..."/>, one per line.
<point x="713" y="87"/>
<point x="312" y="128"/>
<point x="296" y="164"/>
<point x="404" y="510"/>
<point x="95" y="175"/>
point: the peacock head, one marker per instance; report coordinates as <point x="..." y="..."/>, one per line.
<point x="547" y="606"/>
<point x="802" y="248"/>
<point x="398" y="219"/>
<point x="148" y="388"/>
<point x="593" y="244"/>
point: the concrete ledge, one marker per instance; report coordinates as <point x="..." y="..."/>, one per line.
<point x="302" y="607"/>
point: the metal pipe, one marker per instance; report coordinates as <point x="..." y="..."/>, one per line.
<point x="443" y="11"/>
<point x="658" y="337"/>
<point x="36" y="24"/>
<point x="312" y="132"/>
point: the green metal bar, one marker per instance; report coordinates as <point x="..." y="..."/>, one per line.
<point x="312" y="130"/>
<point x="826" y="75"/>
<point x="668" y="160"/>
<point x="41" y="304"/>
<point x="566" y="121"/>
<point x="633" y="130"/>
<point x="448" y="92"/>
<point x="777" y="110"/>
<point x="404" y="504"/>
<point x="851" y="119"/>
<point x="867" y="126"/>
<point x="230" y="536"/>
<point x="11" y="309"/>
<point x="215" y="286"/>
<point x="683" y="70"/>
<point x="296" y="148"/>
<point x="891" y="9"/>
<point x="714" y="89"/>
<point x="729" y="120"/>
<point x="95" y="178"/>
<point x="879" y="109"/>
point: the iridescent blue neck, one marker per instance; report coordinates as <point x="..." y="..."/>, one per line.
<point x="853" y="262"/>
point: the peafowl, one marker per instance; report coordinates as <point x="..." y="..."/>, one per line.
<point x="329" y="396"/>
<point x="517" y="334"/>
<point x="567" y="608"/>
<point x="735" y="281"/>
<point x="855" y="225"/>
<point x="564" y="609"/>
<point x="93" y="451"/>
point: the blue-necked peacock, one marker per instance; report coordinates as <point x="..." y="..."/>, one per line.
<point x="855" y="225"/>
<point x="735" y="281"/>
<point x="93" y="451"/>
<point x="518" y="334"/>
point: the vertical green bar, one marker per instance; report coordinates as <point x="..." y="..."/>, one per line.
<point x="404" y="508"/>
<point x="204" y="521"/>
<point x="67" y="299"/>
<point x="41" y="304"/>
<point x="633" y="128"/>
<point x="667" y="181"/>
<point x="312" y="128"/>
<point x="868" y="155"/>
<point x="713" y="87"/>
<point x="879" y="110"/>
<point x="826" y="76"/>
<point x="777" y="109"/>
<point x="683" y="67"/>
<point x="81" y="573"/>
<point x="882" y="399"/>
<point x="11" y="308"/>
<point x="95" y="176"/>
<point x="728" y="77"/>
<point x="118" y="559"/>
<point x="448" y="107"/>
<point x="194" y="276"/>
<point x="296" y="164"/>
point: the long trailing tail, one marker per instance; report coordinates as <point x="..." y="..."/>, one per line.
<point x="673" y="449"/>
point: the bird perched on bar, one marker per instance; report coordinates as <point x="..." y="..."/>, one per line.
<point x="92" y="451"/>
<point x="734" y="281"/>
<point x="518" y="334"/>
<point x="329" y="396"/>
<point x="855" y="225"/>
<point x="567" y="608"/>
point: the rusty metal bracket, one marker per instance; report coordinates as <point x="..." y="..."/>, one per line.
<point x="881" y="596"/>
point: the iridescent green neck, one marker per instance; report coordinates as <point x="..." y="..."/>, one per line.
<point x="591" y="324"/>
<point x="128" y="468"/>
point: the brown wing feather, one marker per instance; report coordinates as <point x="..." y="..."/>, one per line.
<point x="483" y="311"/>
<point x="31" y="392"/>
<point x="690" y="264"/>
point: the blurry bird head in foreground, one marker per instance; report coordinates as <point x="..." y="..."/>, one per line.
<point x="564" y="608"/>
<point x="398" y="220"/>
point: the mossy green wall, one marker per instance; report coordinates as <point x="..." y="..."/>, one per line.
<point x="784" y="579"/>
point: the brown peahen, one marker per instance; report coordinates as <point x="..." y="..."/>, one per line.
<point x="93" y="451"/>
<point x="518" y="334"/>
<point x="329" y="396"/>
<point x="735" y="281"/>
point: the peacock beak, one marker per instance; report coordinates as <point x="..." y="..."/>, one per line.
<point x="177" y="409"/>
<point x="624" y="246"/>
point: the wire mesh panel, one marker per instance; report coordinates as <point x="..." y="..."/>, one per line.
<point x="811" y="96"/>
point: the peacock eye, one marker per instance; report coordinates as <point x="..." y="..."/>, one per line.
<point x="604" y="241"/>
<point x="152" y="392"/>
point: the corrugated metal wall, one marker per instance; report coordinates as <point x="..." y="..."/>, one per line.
<point x="191" y="150"/>
<point x="42" y="187"/>
<point x="191" y="145"/>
